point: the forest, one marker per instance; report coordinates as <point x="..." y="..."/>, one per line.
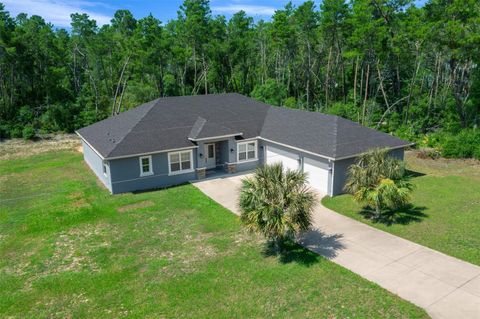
<point x="387" y="64"/>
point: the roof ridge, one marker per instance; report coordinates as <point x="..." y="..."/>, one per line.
<point x="135" y="125"/>
<point x="335" y="135"/>
<point x="270" y="107"/>
<point x="197" y="127"/>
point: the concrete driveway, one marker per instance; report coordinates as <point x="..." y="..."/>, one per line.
<point x="445" y="286"/>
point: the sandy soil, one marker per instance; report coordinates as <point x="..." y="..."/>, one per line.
<point x="16" y="148"/>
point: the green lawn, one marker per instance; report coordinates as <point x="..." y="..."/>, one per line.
<point x="69" y="249"/>
<point x="446" y="208"/>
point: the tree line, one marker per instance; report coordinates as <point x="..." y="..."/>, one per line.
<point x="411" y="71"/>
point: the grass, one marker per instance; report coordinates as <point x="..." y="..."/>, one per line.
<point x="445" y="210"/>
<point x="68" y="249"/>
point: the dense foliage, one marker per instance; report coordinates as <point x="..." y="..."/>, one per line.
<point x="379" y="181"/>
<point x="276" y="203"/>
<point x="386" y="64"/>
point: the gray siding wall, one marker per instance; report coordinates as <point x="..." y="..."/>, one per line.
<point x="126" y="174"/>
<point x="224" y="152"/>
<point x="340" y="169"/>
<point x="96" y="164"/>
<point x="325" y="163"/>
<point x="248" y="165"/>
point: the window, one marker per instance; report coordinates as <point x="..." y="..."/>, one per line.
<point x="146" y="166"/>
<point x="105" y="169"/>
<point x="211" y="150"/>
<point x="180" y="162"/>
<point x="247" y="151"/>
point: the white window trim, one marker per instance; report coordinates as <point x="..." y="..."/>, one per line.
<point x="150" y="165"/>
<point x="247" y="159"/>
<point x="185" y="171"/>
<point x="105" y="168"/>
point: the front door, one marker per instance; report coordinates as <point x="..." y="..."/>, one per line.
<point x="210" y="155"/>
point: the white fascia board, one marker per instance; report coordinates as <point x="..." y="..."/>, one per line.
<point x="93" y="148"/>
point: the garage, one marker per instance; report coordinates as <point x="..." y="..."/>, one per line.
<point x="317" y="174"/>
<point x="288" y="159"/>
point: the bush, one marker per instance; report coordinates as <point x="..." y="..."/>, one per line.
<point x="476" y="153"/>
<point x="28" y="132"/>
<point x="348" y="110"/>
<point x="290" y="102"/>
<point x="4" y="131"/>
<point x="461" y="145"/>
<point x="271" y="92"/>
<point x="16" y="131"/>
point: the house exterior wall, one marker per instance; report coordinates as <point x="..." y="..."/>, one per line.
<point x="340" y="170"/>
<point x="125" y="174"/>
<point x="96" y="164"/>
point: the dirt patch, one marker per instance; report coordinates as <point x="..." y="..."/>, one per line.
<point x="467" y="167"/>
<point x="17" y="148"/>
<point x="78" y="200"/>
<point x="126" y="208"/>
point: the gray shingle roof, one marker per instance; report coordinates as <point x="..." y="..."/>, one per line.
<point x="168" y="123"/>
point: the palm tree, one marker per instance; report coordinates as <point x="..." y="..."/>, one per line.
<point x="276" y="203"/>
<point x="379" y="180"/>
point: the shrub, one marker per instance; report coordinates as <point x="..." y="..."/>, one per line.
<point x="461" y="145"/>
<point x="378" y="180"/>
<point x="476" y="153"/>
<point x="16" y="131"/>
<point x="4" y="131"/>
<point x="347" y="110"/>
<point x="271" y="92"/>
<point x="28" y="132"/>
<point x="290" y="102"/>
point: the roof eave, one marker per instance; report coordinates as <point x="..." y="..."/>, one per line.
<point x="90" y="145"/>
<point x="213" y="137"/>
<point x="358" y="154"/>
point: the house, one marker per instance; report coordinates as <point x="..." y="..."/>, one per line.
<point x="175" y="140"/>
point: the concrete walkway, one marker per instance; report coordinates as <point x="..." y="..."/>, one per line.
<point x="445" y="286"/>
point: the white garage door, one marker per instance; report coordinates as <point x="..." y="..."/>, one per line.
<point x="289" y="160"/>
<point x="317" y="176"/>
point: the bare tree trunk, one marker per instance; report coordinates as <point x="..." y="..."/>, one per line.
<point x="355" y="83"/>
<point x="124" y="87"/>
<point x="118" y="85"/>
<point x="327" y="76"/>
<point x="412" y="83"/>
<point x="205" y="71"/>
<point x="96" y="92"/>
<point x="194" y="67"/>
<point x="381" y="84"/>
<point x="361" y="90"/>
<point x="437" y="80"/>
<point x="366" y="94"/>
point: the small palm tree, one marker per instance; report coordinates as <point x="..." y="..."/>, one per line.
<point x="276" y="203"/>
<point x="379" y="180"/>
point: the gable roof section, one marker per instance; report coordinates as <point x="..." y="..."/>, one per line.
<point x="176" y="122"/>
<point x="328" y="135"/>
